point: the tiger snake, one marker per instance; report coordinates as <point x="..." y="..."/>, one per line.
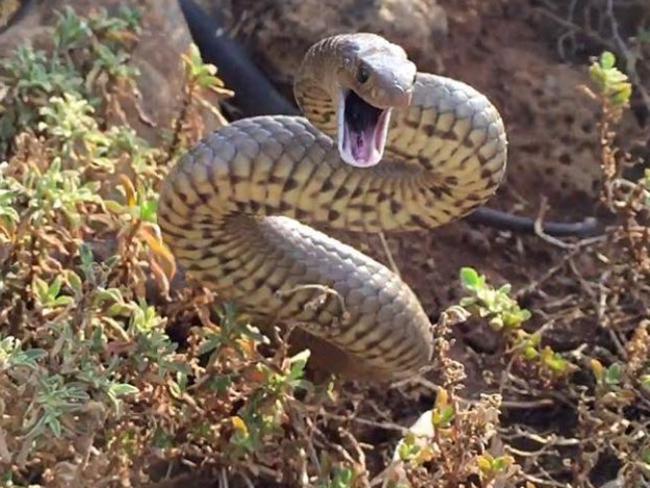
<point x="381" y="147"/>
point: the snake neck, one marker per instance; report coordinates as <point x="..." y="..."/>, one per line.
<point x="317" y="71"/>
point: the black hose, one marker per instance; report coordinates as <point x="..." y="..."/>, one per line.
<point x="498" y="219"/>
<point x="254" y="94"/>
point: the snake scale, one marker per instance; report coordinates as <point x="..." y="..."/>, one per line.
<point x="382" y="147"/>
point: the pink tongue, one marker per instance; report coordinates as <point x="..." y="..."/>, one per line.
<point x="361" y="144"/>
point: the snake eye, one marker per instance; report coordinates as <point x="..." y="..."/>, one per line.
<point x="362" y="74"/>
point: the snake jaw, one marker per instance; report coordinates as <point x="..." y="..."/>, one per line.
<point x="361" y="143"/>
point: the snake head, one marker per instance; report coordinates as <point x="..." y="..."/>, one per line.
<point x="375" y="77"/>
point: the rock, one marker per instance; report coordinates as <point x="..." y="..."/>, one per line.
<point x="552" y="124"/>
<point x="157" y="55"/>
<point x="280" y="31"/>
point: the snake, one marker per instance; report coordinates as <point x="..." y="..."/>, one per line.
<point x="379" y="147"/>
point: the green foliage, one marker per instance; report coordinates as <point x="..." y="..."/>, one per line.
<point x="68" y="120"/>
<point x="453" y="439"/>
<point x="228" y="335"/>
<point x="493" y="304"/>
<point x="48" y="296"/>
<point x="53" y="193"/>
<point x="201" y="75"/>
<point x="491" y="467"/>
<point x="32" y="76"/>
<point x="54" y="399"/>
<point x="614" y="378"/>
<point x="52" y="94"/>
<point x="13" y="356"/>
<point x="444" y="412"/>
<point x="612" y="84"/>
<point x="29" y="78"/>
<point x="71" y="30"/>
<point x="645" y="381"/>
<point x="504" y="314"/>
<point x="613" y="375"/>
<point x="80" y="353"/>
<point x="112" y="29"/>
<point x="50" y="195"/>
<point x="201" y="78"/>
<point x="263" y="415"/>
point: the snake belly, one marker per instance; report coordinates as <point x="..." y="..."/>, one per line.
<point x="236" y="209"/>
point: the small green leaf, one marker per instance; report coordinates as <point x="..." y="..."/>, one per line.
<point x="175" y="390"/>
<point x="614" y="374"/>
<point x="27" y="358"/>
<point x="505" y="289"/>
<point x="408" y="448"/>
<point x="108" y="295"/>
<point x="62" y="301"/>
<point x="554" y="361"/>
<point x="41" y="289"/>
<point x="115" y="207"/>
<point x="470" y="278"/>
<point x="117" y="390"/>
<point x="74" y="281"/>
<point x="485" y="463"/>
<point x="530" y="353"/>
<point x="55" y="288"/>
<point x="622" y="95"/>
<point x="443" y="417"/>
<point x="496" y="322"/>
<point x="54" y="425"/>
<point x="87" y="259"/>
<point x="298" y="363"/>
<point x="118" y="309"/>
<point x="607" y="60"/>
<point x="343" y="478"/>
<point x="148" y="211"/>
<point x="502" y="463"/>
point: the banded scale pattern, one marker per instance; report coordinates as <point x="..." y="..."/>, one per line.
<point x="230" y="213"/>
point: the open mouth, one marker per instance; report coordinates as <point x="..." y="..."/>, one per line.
<point x="362" y="130"/>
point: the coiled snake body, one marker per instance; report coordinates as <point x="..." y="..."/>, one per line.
<point x="382" y="148"/>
